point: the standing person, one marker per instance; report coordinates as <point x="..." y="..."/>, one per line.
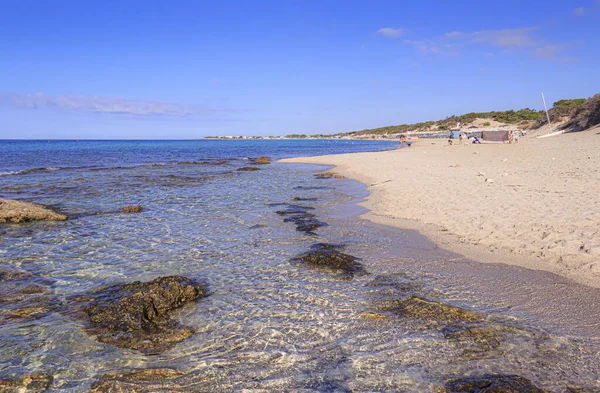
<point x="510" y="136"/>
<point x="516" y="136"/>
<point x="402" y="141"/>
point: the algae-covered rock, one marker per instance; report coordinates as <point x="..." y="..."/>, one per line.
<point x="248" y="169"/>
<point x="262" y="160"/>
<point x="131" y="209"/>
<point x="34" y="382"/>
<point x="136" y="315"/>
<point x="328" y="175"/>
<point x="12" y="211"/>
<point x="415" y="307"/>
<point x="304" y="199"/>
<point x="326" y="256"/>
<point x="23" y="296"/>
<point x="140" y="381"/>
<point x="300" y="216"/>
<point x="492" y="384"/>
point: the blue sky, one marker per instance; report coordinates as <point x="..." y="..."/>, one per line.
<point x="188" y="69"/>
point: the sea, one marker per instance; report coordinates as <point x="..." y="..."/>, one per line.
<point x="268" y="323"/>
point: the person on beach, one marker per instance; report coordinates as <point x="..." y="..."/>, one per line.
<point x="510" y="136"/>
<point x="402" y="141"/>
<point x="516" y="136"/>
<point x="476" y="140"/>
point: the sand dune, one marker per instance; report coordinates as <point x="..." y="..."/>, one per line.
<point x="535" y="204"/>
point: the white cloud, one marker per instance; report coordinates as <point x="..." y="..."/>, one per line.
<point x="547" y="52"/>
<point x="501" y="38"/>
<point x="555" y="53"/>
<point x="425" y="47"/>
<point x="391" y="32"/>
<point x="579" y="11"/>
<point x="104" y="105"/>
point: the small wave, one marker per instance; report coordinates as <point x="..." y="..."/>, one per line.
<point x="44" y="169"/>
<point x="9" y="173"/>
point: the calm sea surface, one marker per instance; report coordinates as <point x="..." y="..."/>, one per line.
<point x="267" y="323"/>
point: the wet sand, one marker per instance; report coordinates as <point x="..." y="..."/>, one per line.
<point x="534" y="204"/>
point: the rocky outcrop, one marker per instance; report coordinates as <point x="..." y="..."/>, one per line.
<point x="573" y="117"/>
<point x="262" y="160"/>
<point x="302" y="218"/>
<point x="328" y="175"/>
<point x="23" y="296"/>
<point x="34" y="382"/>
<point x="248" y="169"/>
<point x="415" y="307"/>
<point x="139" y="381"/>
<point x="12" y="211"/>
<point x="492" y="384"/>
<point x="136" y="315"/>
<point x="131" y="209"/>
<point x="326" y="256"/>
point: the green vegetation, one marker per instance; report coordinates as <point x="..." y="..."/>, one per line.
<point x="507" y="117"/>
<point x="487" y="124"/>
<point x="573" y="102"/>
<point x="296" y="136"/>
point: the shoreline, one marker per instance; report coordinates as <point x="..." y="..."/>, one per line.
<point x="409" y="189"/>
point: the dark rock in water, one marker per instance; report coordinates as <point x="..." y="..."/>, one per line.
<point x="305" y="222"/>
<point x="328" y="175"/>
<point x="294" y="209"/>
<point x="15" y="212"/>
<point x="262" y="160"/>
<point x="21" y="296"/>
<point x="304" y="199"/>
<point x="492" y="384"/>
<point x="136" y="315"/>
<point x="326" y="256"/>
<point x="13" y="275"/>
<point x="138" y="381"/>
<point x="132" y="209"/>
<point x="475" y="341"/>
<point x="418" y="308"/>
<point x="34" y="382"/>
<point x="313" y="188"/>
<point x="299" y="215"/>
<point x="248" y="169"/>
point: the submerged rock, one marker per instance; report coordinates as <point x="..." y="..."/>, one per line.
<point x="293" y="209"/>
<point x="262" y="160"/>
<point x="326" y="256"/>
<point x="492" y="384"/>
<point x="248" y="169"/>
<point x="415" y="307"/>
<point x="299" y="215"/>
<point x="138" y="381"/>
<point x="21" y="296"/>
<point x="34" y="382"/>
<point x="304" y="199"/>
<point x="136" y="315"/>
<point x="305" y="222"/>
<point x="12" y="211"/>
<point x="329" y="175"/>
<point x="14" y="275"/>
<point x="131" y="209"/>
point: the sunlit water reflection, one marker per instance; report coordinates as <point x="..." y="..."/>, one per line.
<point x="267" y="323"/>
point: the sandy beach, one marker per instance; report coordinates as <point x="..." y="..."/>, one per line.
<point x="535" y="204"/>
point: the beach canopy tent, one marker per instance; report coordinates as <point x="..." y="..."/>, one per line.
<point x="494" y="136"/>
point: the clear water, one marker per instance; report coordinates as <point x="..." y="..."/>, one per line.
<point x="267" y="323"/>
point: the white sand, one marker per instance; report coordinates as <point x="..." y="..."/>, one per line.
<point x="541" y="211"/>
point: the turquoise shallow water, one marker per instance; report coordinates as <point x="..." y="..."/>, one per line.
<point x="267" y="323"/>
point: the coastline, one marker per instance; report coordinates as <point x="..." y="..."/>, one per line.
<point x="538" y="210"/>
